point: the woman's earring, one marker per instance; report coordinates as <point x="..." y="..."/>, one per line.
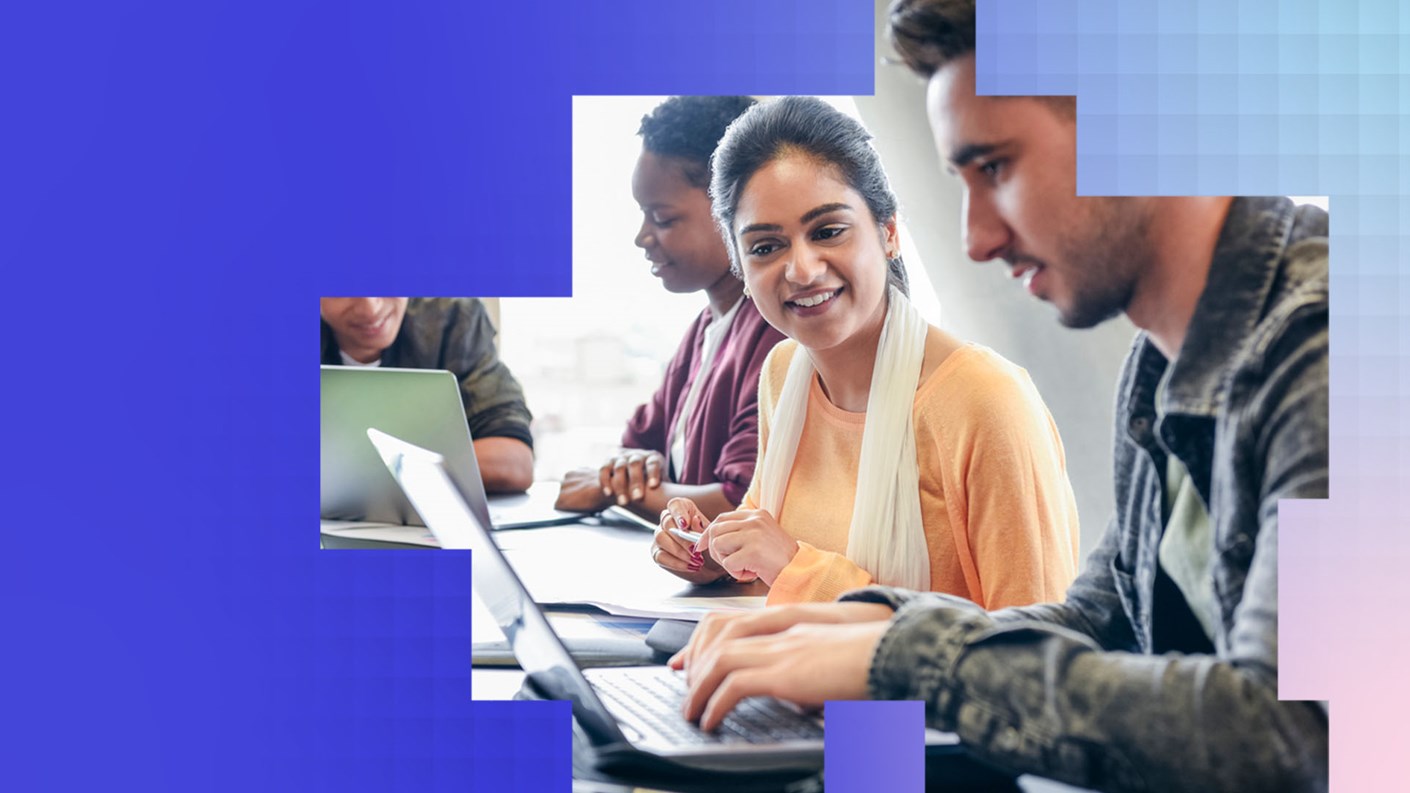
<point x="746" y="290"/>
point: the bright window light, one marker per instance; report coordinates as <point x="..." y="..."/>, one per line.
<point x="587" y="362"/>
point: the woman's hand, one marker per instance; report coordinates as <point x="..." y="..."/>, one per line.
<point x="677" y="555"/>
<point x="581" y="491"/>
<point x="625" y="478"/>
<point x="749" y="543"/>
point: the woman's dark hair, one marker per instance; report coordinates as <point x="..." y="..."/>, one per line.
<point x="687" y="128"/>
<point x="812" y="128"/>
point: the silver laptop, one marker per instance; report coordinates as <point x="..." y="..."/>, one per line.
<point x="423" y="406"/>
<point x="624" y="713"/>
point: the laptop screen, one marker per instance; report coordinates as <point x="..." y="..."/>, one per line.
<point x="422" y="476"/>
<point x="421" y="406"/>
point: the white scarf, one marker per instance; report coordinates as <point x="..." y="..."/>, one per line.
<point x="887" y="536"/>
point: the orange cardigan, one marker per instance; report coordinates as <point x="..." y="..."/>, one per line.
<point x="1000" y="518"/>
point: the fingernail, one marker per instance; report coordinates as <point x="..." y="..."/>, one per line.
<point x="694" y="567"/>
<point x="621" y="501"/>
<point x="681" y="522"/>
<point x="636" y="492"/>
<point x="606" y="491"/>
<point x="652" y="482"/>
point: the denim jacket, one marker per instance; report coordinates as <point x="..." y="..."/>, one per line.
<point x="1118" y="687"/>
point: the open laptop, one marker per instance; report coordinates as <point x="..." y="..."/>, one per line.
<point x="423" y="406"/>
<point x="626" y="714"/>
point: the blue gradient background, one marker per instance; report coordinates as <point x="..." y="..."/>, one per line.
<point x="179" y="183"/>
<point x="1302" y="98"/>
<point x="873" y="746"/>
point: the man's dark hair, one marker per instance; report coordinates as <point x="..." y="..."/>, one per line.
<point x="687" y="128"/>
<point x="812" y="128"/>
<point x="928" y="34"/>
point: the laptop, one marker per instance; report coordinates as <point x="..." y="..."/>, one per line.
<point x="630" y="716"/>
<point x="424" y="406"/>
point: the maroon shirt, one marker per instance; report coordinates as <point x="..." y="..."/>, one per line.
<point x="722" y="437"/>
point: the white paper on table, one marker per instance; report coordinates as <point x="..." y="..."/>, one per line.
<point x="380" y="532"/>
<point x="691" y="609"/>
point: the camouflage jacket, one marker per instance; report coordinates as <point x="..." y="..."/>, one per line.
<point x="1118" y="687"/>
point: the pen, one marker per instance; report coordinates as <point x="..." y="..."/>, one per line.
<point x="691" y="537"/>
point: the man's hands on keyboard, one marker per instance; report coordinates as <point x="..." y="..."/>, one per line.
<point x="807" y="664"/>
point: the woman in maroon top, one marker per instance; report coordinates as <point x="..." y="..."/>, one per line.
<point x="698" y="436"/>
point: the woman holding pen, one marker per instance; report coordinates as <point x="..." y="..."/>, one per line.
<point x="697" y="437"/>
<point x="890" y="451"/>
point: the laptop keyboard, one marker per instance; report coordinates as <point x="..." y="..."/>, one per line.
<point x="650" y="698"/>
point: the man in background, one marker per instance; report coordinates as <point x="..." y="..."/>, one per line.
<point x="454" y="334"/>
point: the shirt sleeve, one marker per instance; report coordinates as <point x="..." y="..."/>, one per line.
<point x="815" y="575"/>
<point x="1052" y="689"/>
<point x="740" y="454"/>
<point x="777" y="359"/>
<point x="647" y="428"/>
<point x="494" y="401"/>
<point x="1037" y="697"/>
<point x="1011" y="505"/>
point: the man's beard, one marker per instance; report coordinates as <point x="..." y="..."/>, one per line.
<point x="1104" y="265"/>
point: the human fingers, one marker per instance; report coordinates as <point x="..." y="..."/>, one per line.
<point x="654" y="465"/>
<point x="806" y="664"/>
<point x="636" y="477"/>
<point x="722" y="660"/>
<point x="583" y="490"/>
<point x="741" y="514"/>
<point x="667" y="535"/>
<point x="677" y="519"/>
<point x="702" y="638"/>
<point x="618" y="482"/>
<point x="752" y="681"/>
<point x="728" y="627"/>
<point x="723" y="539"/>
<point x="570" y="491"/>
<point x="739" y="626"/>
<point x="709" y="565"/>
<point x="604" y="477"/>
<point x="775" y="619"/>
<point x="684" y="513"/>
<point x="729" y="543"/>
<point x="666" y="548"/>
<point x="742" y="563"/>
<point x="719" y="526"/>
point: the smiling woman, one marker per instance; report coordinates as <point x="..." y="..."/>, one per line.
<point x="889" y="450"/>
<point x="696" y="437"/>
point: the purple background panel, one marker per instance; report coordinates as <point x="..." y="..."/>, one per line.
<point x="874" y="746"/>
